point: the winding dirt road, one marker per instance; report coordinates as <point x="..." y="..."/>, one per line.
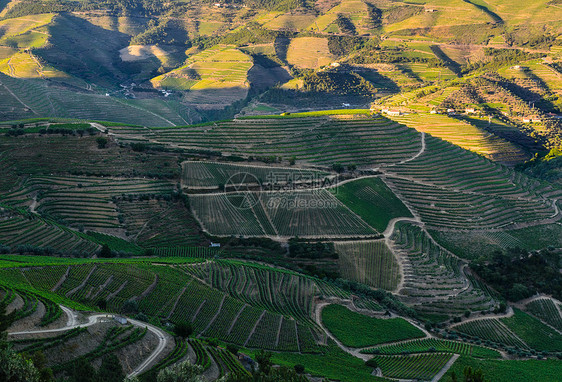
<point x="73" y="323"/>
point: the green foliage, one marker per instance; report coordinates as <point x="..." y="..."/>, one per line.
<point x="337" y="83"/>
<point x="318" y="250"/>
<point x="333" y="364"/>
<point x="183" y="329"/>
<point x="110" y="369"/>
<point x="102" y="142"/>
<point x="500" y="58"/>
<point x="373" y="201"/>
<point x="345" y="24"/>
<point x="343" y="45"/>
<point x="181" y="372"/>
<point x="536" y="334"/>
<point x="14" y="368"/>
<point x="161" y="33"/>
<point x="509" y="370"/>
<point x="357" y="330"/>
<point x="105" y="251"/>
<point x="517" y="274"/>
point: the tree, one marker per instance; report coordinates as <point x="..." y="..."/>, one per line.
<point x="181" y="372"/>
<point x="82" y="371"/>
<point x="5" y="320"/>
<point x="263" y="358"/>
<point x="130" y="306"/>
<point x="40" y="362"/>
<point x="337" y="167"/>
<point x="14" y="368"/>
<point x="102" y="142"/>
<point x="183" y="329"/>
<point x="110" y="369"/>
<point x="299" y="369"/>
<point x="105" y="251"/>
<point x="232" y="348"/>
<point x="471" y="375"/>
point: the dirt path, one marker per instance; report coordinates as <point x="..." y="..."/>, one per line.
<point x="445" y="368"/>
<point x="83" y="282"/>
<point x="33" y="204"/>
<point x="96" y="318"/>
<point x="62" y="280"/>
<point x="146" y="111"/>
<point x="318" y="319"/>
<point x="507" y="314"/>
<point x="18" y="99"/>
<point x="254" y="328"/>
<point x="422" y="150"/>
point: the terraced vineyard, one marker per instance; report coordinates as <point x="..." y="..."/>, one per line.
<point x="466" y="136"/>
<point x="213" y="175"/>
<point x="17" y="228"/>
<point x="364" y="141"/>
<point x="294" y="213"/>
<point x="439" y="185"/>
<point x="546" y="310"/>
<point x="34" y="99"/>
<point x="368" y="262"/>
<point x="421" y="366"/>
<point x="244" y="304"/>
<point x="434" y="280"/>
<point x="432" y="345"/>
<point x="492" y="330"/>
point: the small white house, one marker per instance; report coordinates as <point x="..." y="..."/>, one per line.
<point x="470" y="110"/>
<point x="215" y="245"/>
<point x="121" y="320"/>
<point x="392" y="112"/>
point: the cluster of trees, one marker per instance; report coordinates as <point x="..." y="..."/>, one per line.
<point x="337" y="83"/>
<point x="15" y="367"/>
<point x="162" y="32"/>
<point x="120" y="7"/>
<point x="384" y="298"/>
<point x="318" y="250"/>
<point x="469" y="375"/>
<point x="547" y="167"/>
<point x="252" y="33"/>
<point x="373" y="54"/>
<point x="518" y="274"/>
<point x="345" y="24"/>
<point x="499" y="58"/>
<point x="343" y="45"/>
<point x="375" y="16"/>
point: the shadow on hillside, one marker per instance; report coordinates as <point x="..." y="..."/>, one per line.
<point x="86" y="51"/>
<point x="451" y="64"/>
<point x="495" y="17"/>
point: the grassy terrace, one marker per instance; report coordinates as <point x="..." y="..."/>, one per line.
<point x="356" y="330"/>
<point x="372" y="200"/>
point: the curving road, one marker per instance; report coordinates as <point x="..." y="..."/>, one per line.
<point x="72" y="323"/>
